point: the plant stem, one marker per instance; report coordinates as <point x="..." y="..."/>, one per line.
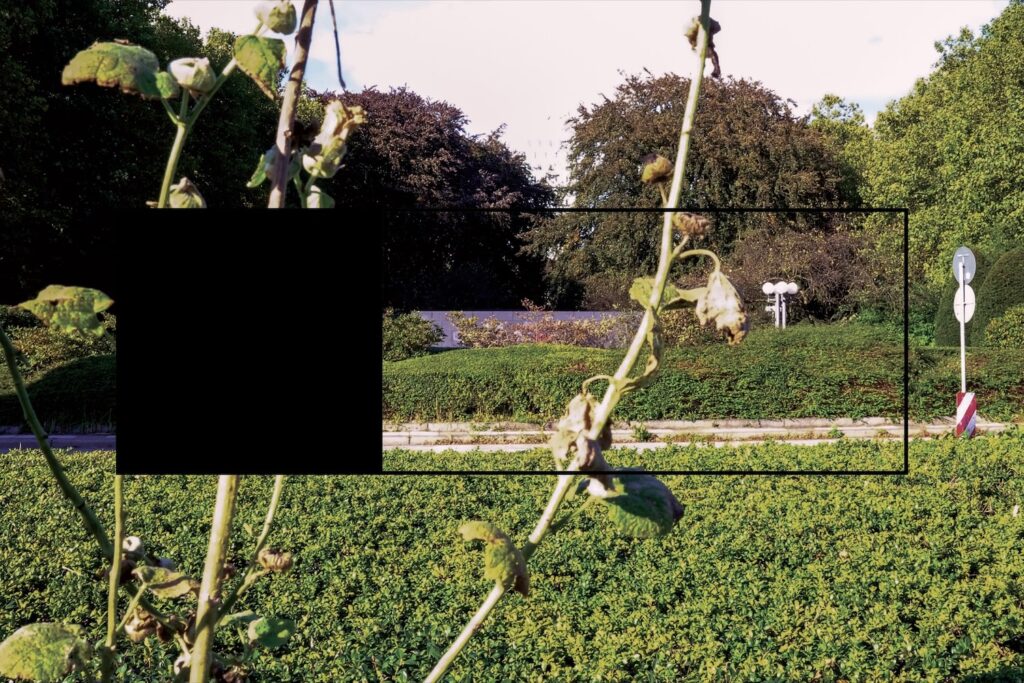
<point x="132" y="604"/>
<point x="92" y="523"/>
<point x="471" y="627"/>
<point x="543" y="526"/>
<point x="251" y="574"/>
<point x="179" y="143"/>
<point x="107" y="667"/>
<point x="285" y="123"/>
<point x="206" y="614"/>
<point x="612" y="394"/>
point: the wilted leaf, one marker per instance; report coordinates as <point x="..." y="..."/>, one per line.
<point x="639" y="505"/>
<point x="683" y="297"/>
<point x="503" y="563"/>
<point x="166" y="583"/>
<point x="261" y="59"/>
<point x="43" y="652"/>
<point x="70" y="308"/>
<point x="130" y="67"/>
<point x="271" y="631"/>
<point x="260" y="174"/>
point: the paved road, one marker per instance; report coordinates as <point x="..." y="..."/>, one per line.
<point x="77" y="442"/>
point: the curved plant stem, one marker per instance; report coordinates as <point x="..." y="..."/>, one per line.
<point x="92" y="523"/>
<point x="206" y="614"/>
<point x="613" y="392"/>
<point x="179" y="143"/>
<point x="107" y="664"/>
<point x="251" y="573"/>
<point x="679" y="253"/>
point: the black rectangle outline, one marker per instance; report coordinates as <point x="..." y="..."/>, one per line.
<point x="906" y="347"/>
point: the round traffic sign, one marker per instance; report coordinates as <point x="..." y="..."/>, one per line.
<point x="963" y="303"/>
<point x="970" y="266"/>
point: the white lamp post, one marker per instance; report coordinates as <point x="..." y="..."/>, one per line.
<point x="779" y="290"/>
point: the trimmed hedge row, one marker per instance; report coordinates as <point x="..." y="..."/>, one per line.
<point x="71" y="380"/>
<point x="912" y="578"/>
<point x="826" y="371"/>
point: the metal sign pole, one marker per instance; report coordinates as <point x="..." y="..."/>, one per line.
<point x="963" y="319"/>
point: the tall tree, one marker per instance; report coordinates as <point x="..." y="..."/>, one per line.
<point x="414" y="153"/>
<point x="751" y="151"/>
<point x="952" y="151"/>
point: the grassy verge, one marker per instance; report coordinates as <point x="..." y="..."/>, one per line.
<point x="909" y="578"/>
<point x="808" y="371"/>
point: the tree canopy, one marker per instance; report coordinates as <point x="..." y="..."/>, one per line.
<point x="751" y="151"/>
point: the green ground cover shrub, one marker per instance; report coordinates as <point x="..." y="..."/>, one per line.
<point x="1007" y="331"/>
<point x="827" y="371"/>
<point x="407" y="335"/>
<point x="900" y="578"/>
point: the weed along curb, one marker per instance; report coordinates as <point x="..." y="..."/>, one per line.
<point x="661" y="432"/>
<point x="75" y="442"/>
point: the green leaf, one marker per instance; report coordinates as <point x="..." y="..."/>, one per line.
<point x="503" y="563"/>
<point x="640" y="292"/>
<point x="165" y="583"/>
<point x="168" y="87"/>
<point x="682" y="297"/>
<point x="271" y="631"/>
<point x="261" y="59"/>
<point x="70" y="308"/>
<point x="260" y="174"/>
<point x="239" y="618"/>
<point x="43" y="652"/>
<point x="640" y="506"/>
<point x="117" y="64"/>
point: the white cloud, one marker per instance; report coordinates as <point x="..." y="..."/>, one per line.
<point x="530" y="64"/>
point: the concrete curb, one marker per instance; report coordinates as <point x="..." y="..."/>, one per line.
<point x="525" y="436"/>
<point x="75" y="442"/>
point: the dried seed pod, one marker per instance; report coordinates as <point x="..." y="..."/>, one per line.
<point x="691" y="224"/>
<point x="228" y="571"/>
<point x="275" y="560"/>
<point x="656" y="168"/>
<point x="141" y="625"/>
<point x="194" y="74"/>
<point x="132" y="545"/>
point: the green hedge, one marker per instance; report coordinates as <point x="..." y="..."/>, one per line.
<point x="909" y="578"/>
<point x="823" y="371"/>
<point x="71" y="379"/>
<point x="1002" y="289"/>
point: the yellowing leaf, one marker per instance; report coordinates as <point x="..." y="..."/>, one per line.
<point x="70" y="308"/>
<point x="130" y="67"/>
<point x="503" y="563"/>
<point x="43" y="652"/>
<point x="261" y="59"/>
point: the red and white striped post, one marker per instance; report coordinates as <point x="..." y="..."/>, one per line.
<point x="966" y="413"/>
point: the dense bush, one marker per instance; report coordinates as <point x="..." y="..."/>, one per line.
<point x="70" y="378"/>
<point x="1002" y="289"/>
<point x="1007" y="331"/>
<point x="406" y="335"/>
<point x="947" y="327"/>
<point x="840" y="370"/>
<point x="914" y="578"/>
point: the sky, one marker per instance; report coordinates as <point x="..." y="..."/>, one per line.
<point x="529" y="64"/>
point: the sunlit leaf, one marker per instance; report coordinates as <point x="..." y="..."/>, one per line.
<point x="43" y="652"/>
<point x="503" y="563"/>
<point x="261" y="59"/>
<point x="72" y="309"/>
<point x="271" y="631"/>
<point x="116" y="64"/>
